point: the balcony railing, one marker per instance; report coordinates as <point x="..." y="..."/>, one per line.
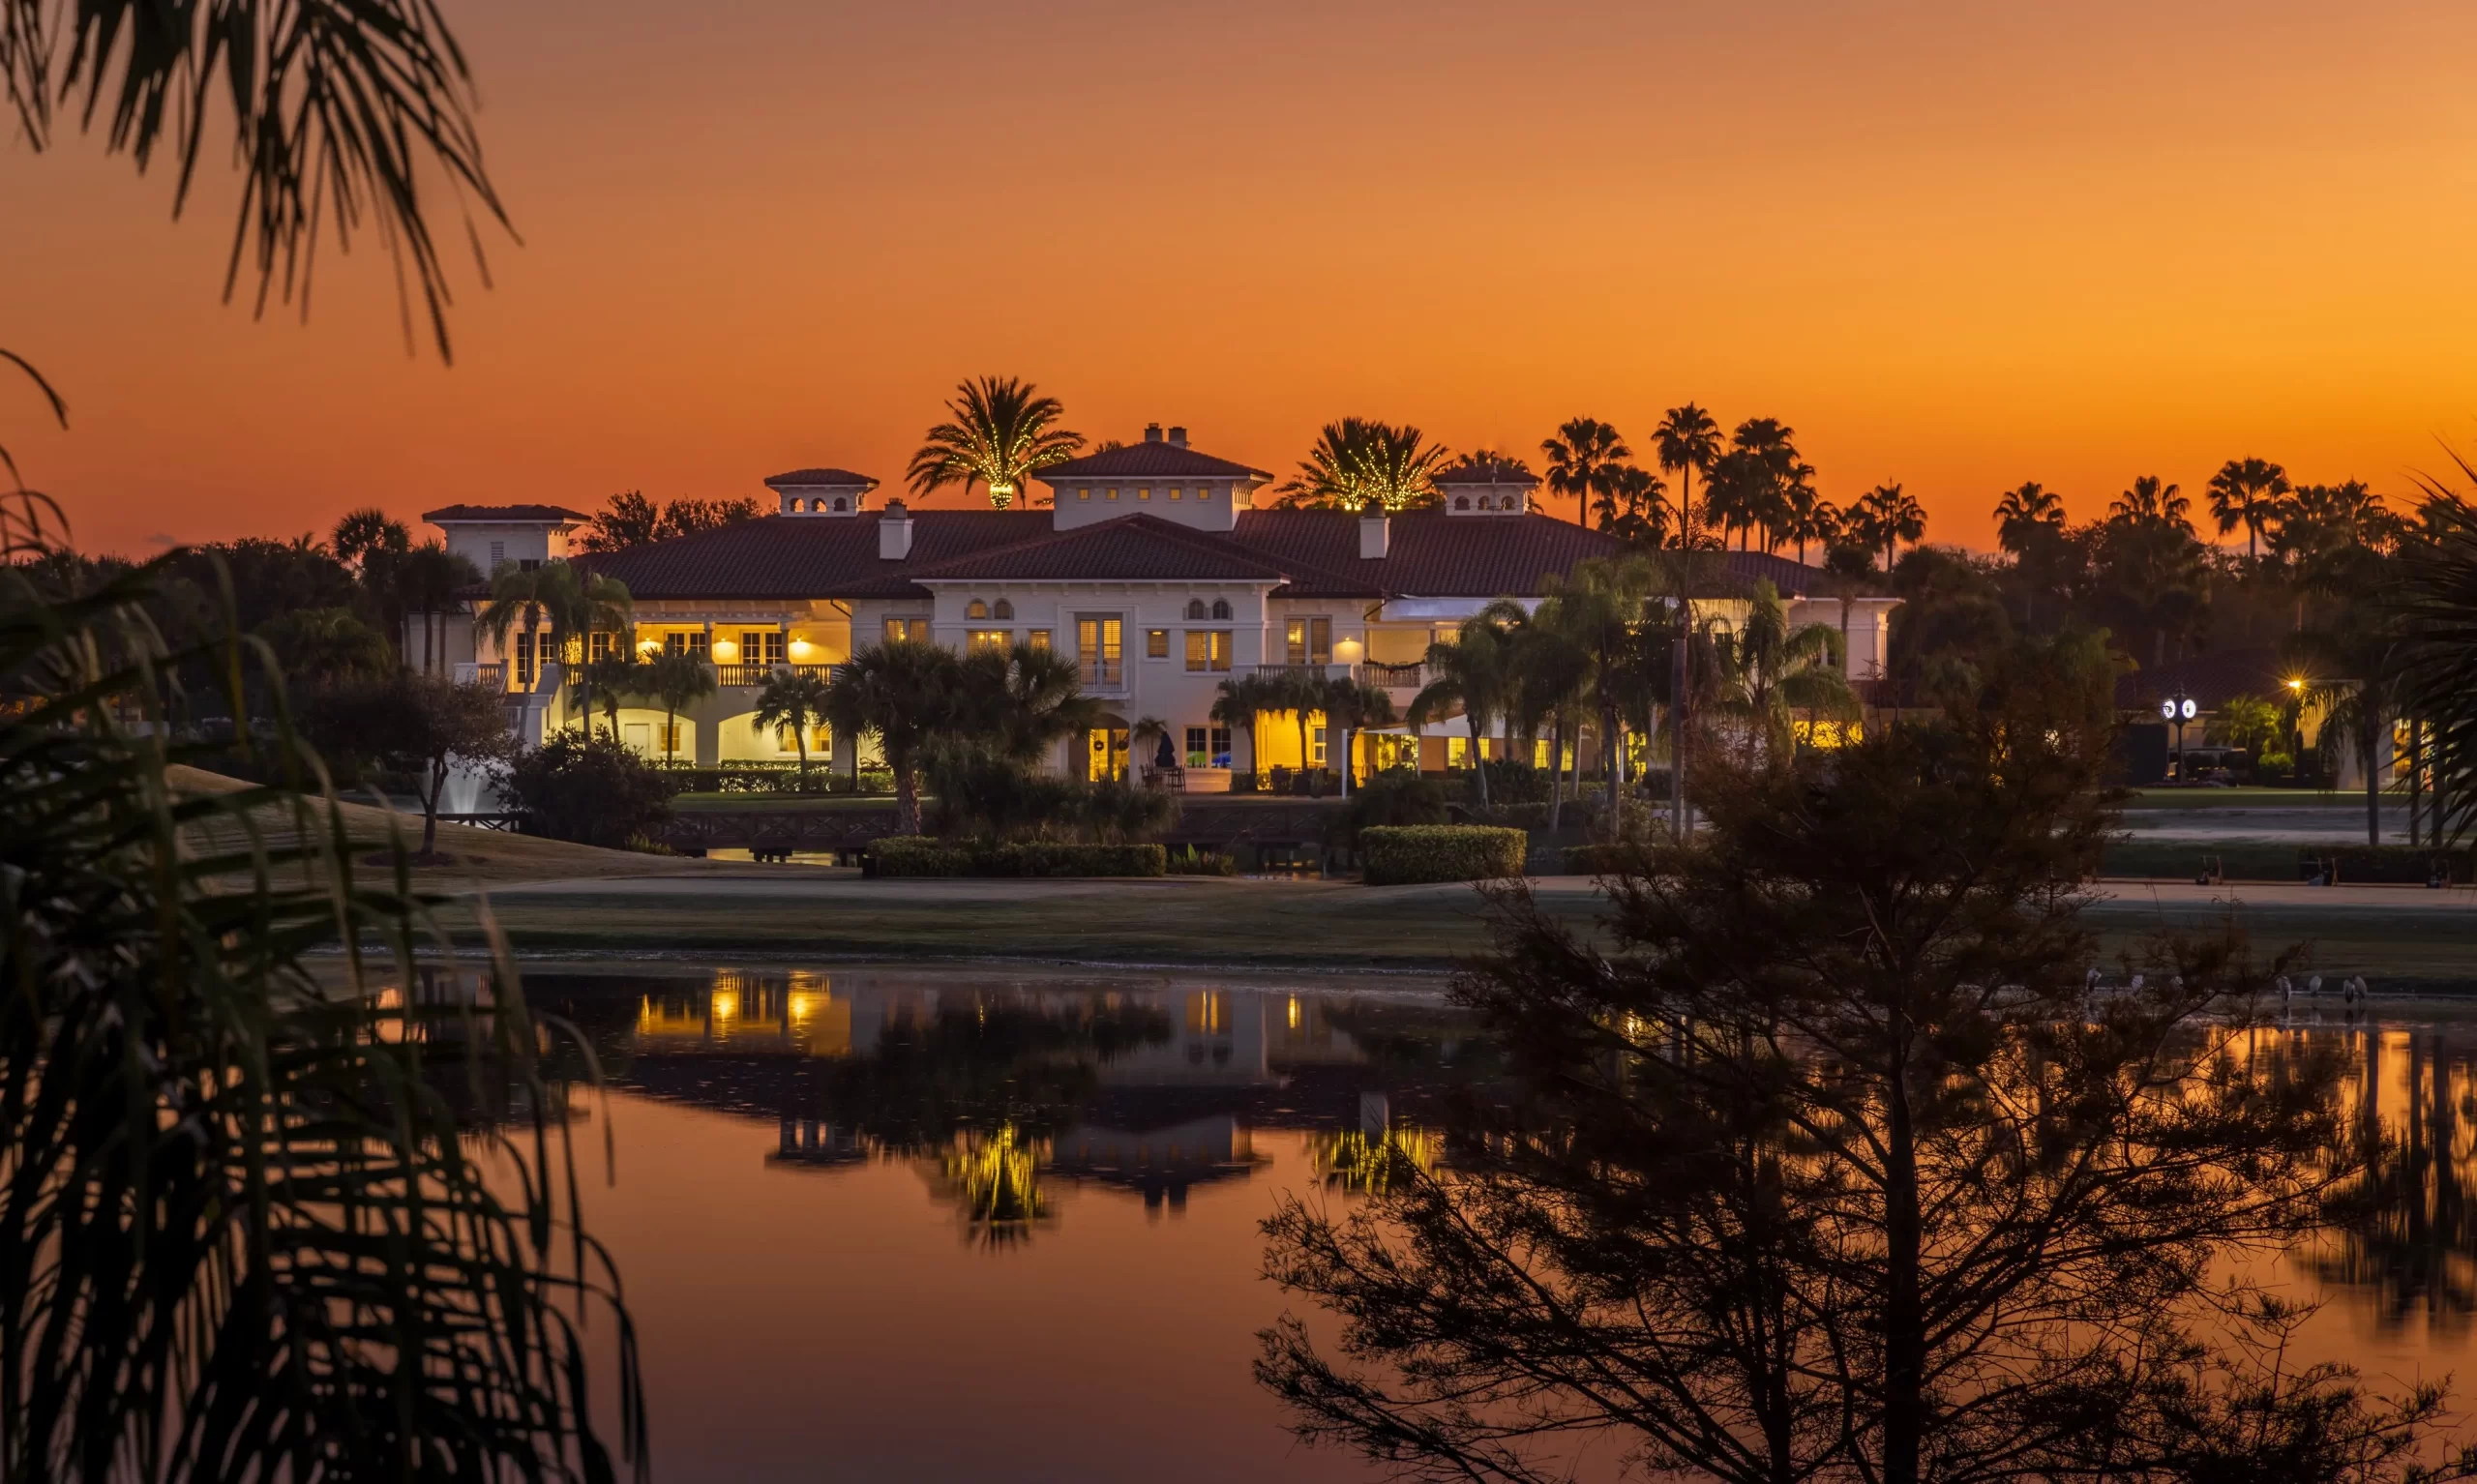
<point x="758" y="674"/>
<point x="493" y="674"/>
<point x="1394" y="677"/>
<point x="1311" y="672"/>
<point x="1103" y="673"/>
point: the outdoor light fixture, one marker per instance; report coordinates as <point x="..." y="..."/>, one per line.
<point x="2177" y="710"/>
<point x="726" y="650"/>
<point x="1347" y="651"/>
<point x="799" y="647"/>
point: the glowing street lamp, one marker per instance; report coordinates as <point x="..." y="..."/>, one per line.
<point x="2177" y="710"/>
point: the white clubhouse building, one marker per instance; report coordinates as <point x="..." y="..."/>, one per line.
<point x="1153" y="566"/>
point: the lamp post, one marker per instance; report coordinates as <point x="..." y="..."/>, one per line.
<point x="2177" y="710"/>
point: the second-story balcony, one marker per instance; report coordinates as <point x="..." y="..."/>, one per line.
<point x="1102" y="672"/>
<point x="758" y="674"/>
<point x="1394" y="677"/>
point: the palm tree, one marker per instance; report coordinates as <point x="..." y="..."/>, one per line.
<point x="367" y="532"/>
<point x="1359" y="459"/>
<point x="1635" y="508"/>
<point x="623" y="676"/>
<point x="1769" y="670"/>
<point x="2247" y="492"/>
<point x="2027" y="516"/>
<point x="1771" y="467"/>
<point x="1890" y="514"/>
<point x="1810" y="517"/>
<point x="2436" y="604"/>
<point x="793" y="699"/>
<point x="2152" y="503"/>
<point x="572" y="604"/>
<point x="1241" y="701"/>
<point x="1002" y="434"/>
<point x="428" y="579"/>
<point x="1688" y="442"/>
<point x="1584" y="458"/>
<point x="1597" y="609"/>
<point x="1350" y="706"/>
<point x="678" y="678"/>
<point x="1021" y="701"/>
<point x="904" y="692"/>
<point x="1477" y="672"/>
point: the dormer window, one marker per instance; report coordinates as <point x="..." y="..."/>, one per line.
<point x="1003" y="613"/>
<point x="976" y="610"/>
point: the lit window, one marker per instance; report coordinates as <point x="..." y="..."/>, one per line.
<point x="1003" y="611"/>
<point x="1197" y="745"/>
<point x="1315" y="747"/>
<point x="1204" y="492"/>
<point x="600" y="645"/>
<point x="1039" y="639"/>
<point x="1311" y="641"/>
<point x="1173" y="492"/>
<point x="1157" y="643"/>
<point x="1457" y="751"/>
<point x="1207" y="650"/>
<point x="1220" y="748"/>
<point x="975" y="609"/>
<point x="1114" y="494"/>
<point x="1144" y="494"/>
<point x="1083" y="492"/>
<point x="912" y="630"/>
<point x="989" y="638"/>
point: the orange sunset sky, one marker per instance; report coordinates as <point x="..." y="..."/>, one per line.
<point x="1956" y="245"/>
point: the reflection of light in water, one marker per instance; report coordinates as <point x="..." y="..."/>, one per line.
<point x="994" y="1180"/>
<point x="1360" y="1160"/>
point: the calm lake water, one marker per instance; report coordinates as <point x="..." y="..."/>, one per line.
<point x="952" y="1224"/>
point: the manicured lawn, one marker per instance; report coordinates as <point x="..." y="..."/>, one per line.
<point x="2398" y="938"/>
<point x="2245" y="798"/>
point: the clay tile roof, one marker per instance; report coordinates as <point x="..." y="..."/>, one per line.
<point x="1147" y="460"/>
<point x="814" y="478"/>
<point x="447" y="512"/>
<point x="1429" y="553"/>
<point x="1138" y="548"/>
<point x="790" y="557"/>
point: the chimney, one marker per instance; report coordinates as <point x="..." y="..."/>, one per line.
<point x="894" y="532"/>
<point x="1375" y="532"/>
<point x="1177" y="437"/>
<point x="1151" y="433"/>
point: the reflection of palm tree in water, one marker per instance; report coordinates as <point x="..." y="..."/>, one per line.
<point x="2409" y="1234"/>
<point x="994" y="1180"/>
<point x="1360" y="1162"/>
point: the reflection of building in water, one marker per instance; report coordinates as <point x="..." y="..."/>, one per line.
<point x="816" y="1144"/>
<point x="1161" y="1163"/>
<point x="749" y="1014"/>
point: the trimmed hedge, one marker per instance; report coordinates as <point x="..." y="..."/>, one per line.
<point x="778" y="778"/>
<point x="1603" y="859"/>
<point x="913" y="855"/>
<point x="2398" y="865"/>
<point x="1396" y="854"/>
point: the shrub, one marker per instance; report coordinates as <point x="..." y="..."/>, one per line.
<point x="909" y="855"/>
<point x="778" y="778"/>
<point x="1400" y="797"/>
<point x="1190" y="861"/>
<point x="592" y="790"/>
<point x="1514" y="780"/>
<point x="1397" y="854"/>
<point x="1602" y="860"/>
<point x="988" y="798"/>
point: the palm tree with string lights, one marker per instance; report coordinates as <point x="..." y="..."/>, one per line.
<point x="1357" y="460"/>
<point x="1584" y="460"/>
<point x="2247" y="492"/>
<point x="1003" y="433"/>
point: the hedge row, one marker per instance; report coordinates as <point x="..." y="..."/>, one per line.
<point x="1395" y="854"/>
<point x="919" y="855"/>
<point x="1604" y="859"/>
<point x="2397" y="863"/>
<point x="767" y="778"/>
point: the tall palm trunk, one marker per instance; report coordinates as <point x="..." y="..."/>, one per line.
<point x="2373" y="779"/>
<point x="1479" y="753"/>
<point x="1557" y="771"/>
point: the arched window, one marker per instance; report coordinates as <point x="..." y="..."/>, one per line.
<point x="1462" y="502"/>
<point x="1486" y="504"/>
<point x="839" y="503"/>
<point x="976" y="610"/>
<point x="1003" y="610"/>
<point x="1221" y="607"/>
<point x="1195" y="607"/>
<point x="793" y="506"/>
